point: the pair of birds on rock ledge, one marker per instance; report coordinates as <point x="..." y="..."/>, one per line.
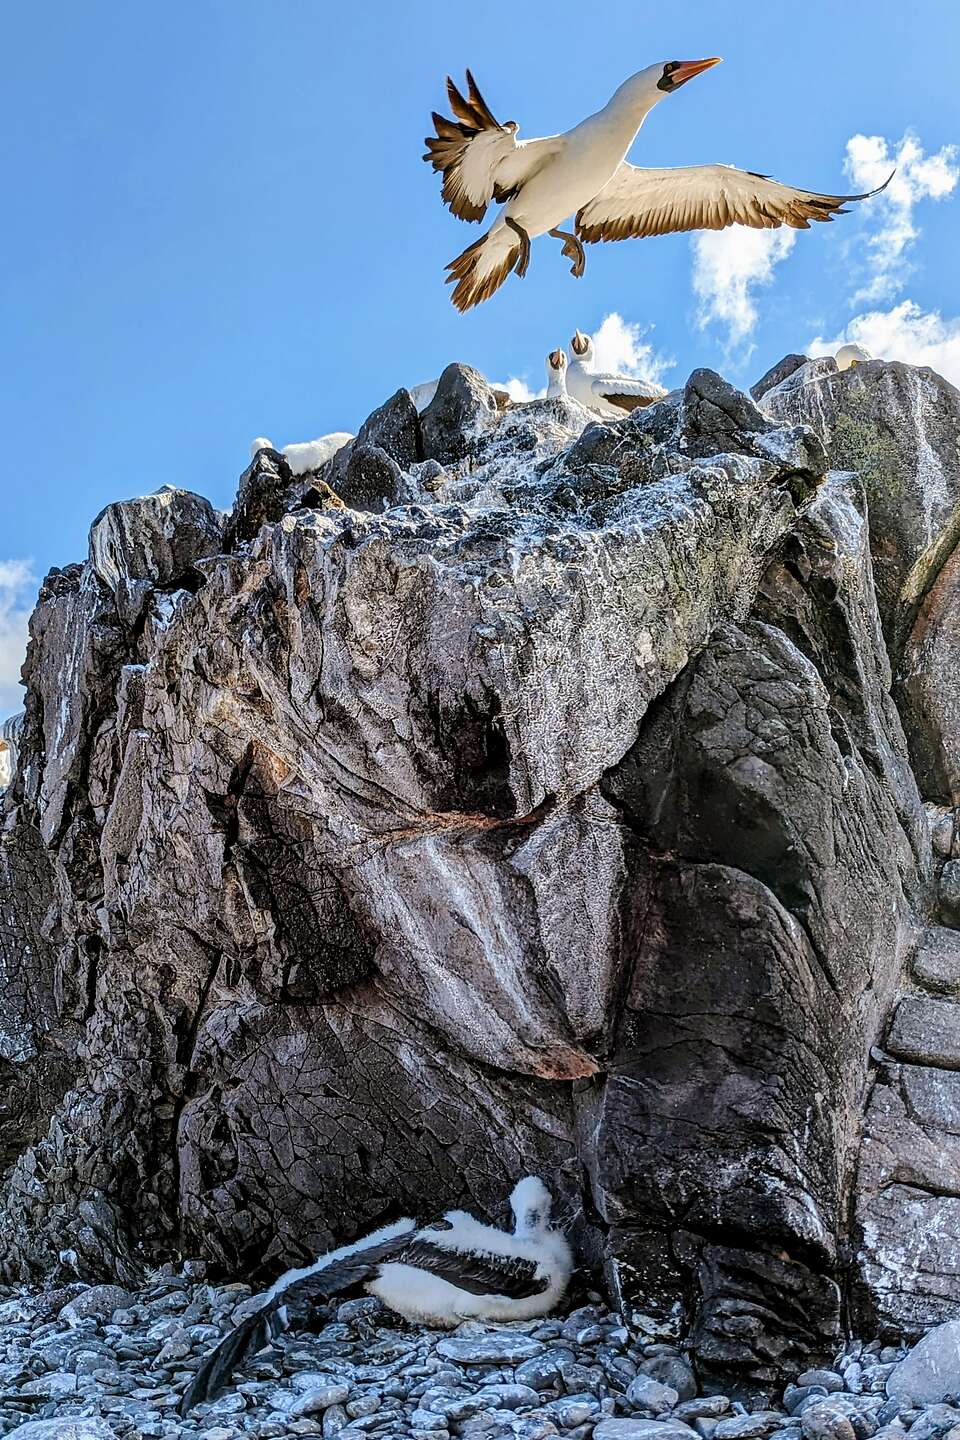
<point x="584" y="172"/>
<point x="454" y="1269"/>
<point x="609" y="395"/>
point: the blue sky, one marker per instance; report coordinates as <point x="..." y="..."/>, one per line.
<point x="219" y="225"/>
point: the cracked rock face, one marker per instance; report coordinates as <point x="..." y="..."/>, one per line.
<point x="544" y="809"/>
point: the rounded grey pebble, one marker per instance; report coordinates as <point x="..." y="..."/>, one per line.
<point x="795" y="1395"/>
<point x="829" y="1379"/>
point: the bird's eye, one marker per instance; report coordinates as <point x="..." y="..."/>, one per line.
<point x="666" y="79"/>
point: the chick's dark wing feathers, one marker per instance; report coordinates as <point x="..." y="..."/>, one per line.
<point x="478" y="1274"/>
<point x="296" y="1301"/>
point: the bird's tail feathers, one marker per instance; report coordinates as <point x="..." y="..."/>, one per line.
<point x="483" y="267"/>
<point x="250" y="1336"/>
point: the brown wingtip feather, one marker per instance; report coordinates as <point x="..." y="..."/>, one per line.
<point x="471" y="290"/>
<point x="445" y="150"/>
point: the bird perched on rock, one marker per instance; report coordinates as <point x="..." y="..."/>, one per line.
<point x="556" y="374"/>
<point x="610" y="395"/>
<point x="584" y="172"/>
<point x="306" y="455"/>
<point x="849" y="355"/>
<point x="454" y="1269"/>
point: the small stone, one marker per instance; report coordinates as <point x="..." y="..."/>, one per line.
<point x="95" y="1303"/>
<point x="315" y="1400"/>
<point x="334" y="1419"/>
<point x="649" y="1397"/>
<point x="825" y="1422"/>
<point x="363" y="1405"/>
<point x="56" y="1386"/>
<point x="427" y="1420"/>
<point x="932" y="1368"/>
<point x="493" y="1349"/>
<point x="935" y="1422"/>
<point x="672" y="1370"/>
<point x="572" y="1412"/>
<point x="702" y="1407"/>
<point x="749" y="1427"/>
<point x="829" y="1379"/>
<point x="795" y="1395"/>
<point x="534" y="1428"/>
<point x="351" y="1310"/>
<point x="64" y="1428"/>
<point x="639" y="1429"/>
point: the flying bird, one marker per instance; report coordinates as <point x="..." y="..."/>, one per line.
<point x="609" y="395"/>
<point x="584" y="172"/>
<point x="440" y="1274"/>
<point x="556" y="374"/>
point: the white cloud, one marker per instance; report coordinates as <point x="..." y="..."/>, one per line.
<point x="519" y="391"/>
<point x="620" y="349"/>
<point x="869" y="161"/>
<point x="17" y="586"/>
<point x="905" y="332"/>
<point x="728" y="267"/>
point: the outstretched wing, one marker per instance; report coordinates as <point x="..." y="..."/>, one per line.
<point x="478" y="1274"/>
<point x="638" y="202"/>
<point x="627" y="394"/>
<point x="480" y="159"/>
<point x="272" y="1319"/>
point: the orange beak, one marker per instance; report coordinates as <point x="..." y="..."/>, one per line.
<point x="688" y="68"/>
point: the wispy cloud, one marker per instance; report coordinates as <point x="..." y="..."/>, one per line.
<point x="869" y="161"/>
<point x="905" y="332"/>
<point x="729" y="266"/>
<point x="17" y="587"/>
<point x="621" y="349"/>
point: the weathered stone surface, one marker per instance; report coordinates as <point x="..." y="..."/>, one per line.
<point x="776" y="374"/>
<point x="98" y="1301"/>
<point x="638" y="1429"/>
<point x="264" y="494"/>
<point x="932" y="1369"/>
<point x="936" y="964"/>
<point x="929" y="686"/>
<point x="949" y="893"/>
<point x="463" y="409"/>
<point x="926" y="1030"/>
<point x="558" y="819"/>
<point x="81" y="1428"/>
<point x="897" y="425"/>
<point x="392" y="429"/>
<point x="496" y="1349"/>
<point x="158" y="538"/>
<point x="743" y="828"/>
<point x="372" y="479"/>
<point x="909" y="1197"/>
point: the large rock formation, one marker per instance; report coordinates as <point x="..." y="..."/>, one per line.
<point x="552" y="811"/>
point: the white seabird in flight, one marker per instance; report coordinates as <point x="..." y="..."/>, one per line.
<point x="440" y="1274"/>
<point x="610" y="395"/>
<point x="556" y="375"/>
<point x="584" y="172"/>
